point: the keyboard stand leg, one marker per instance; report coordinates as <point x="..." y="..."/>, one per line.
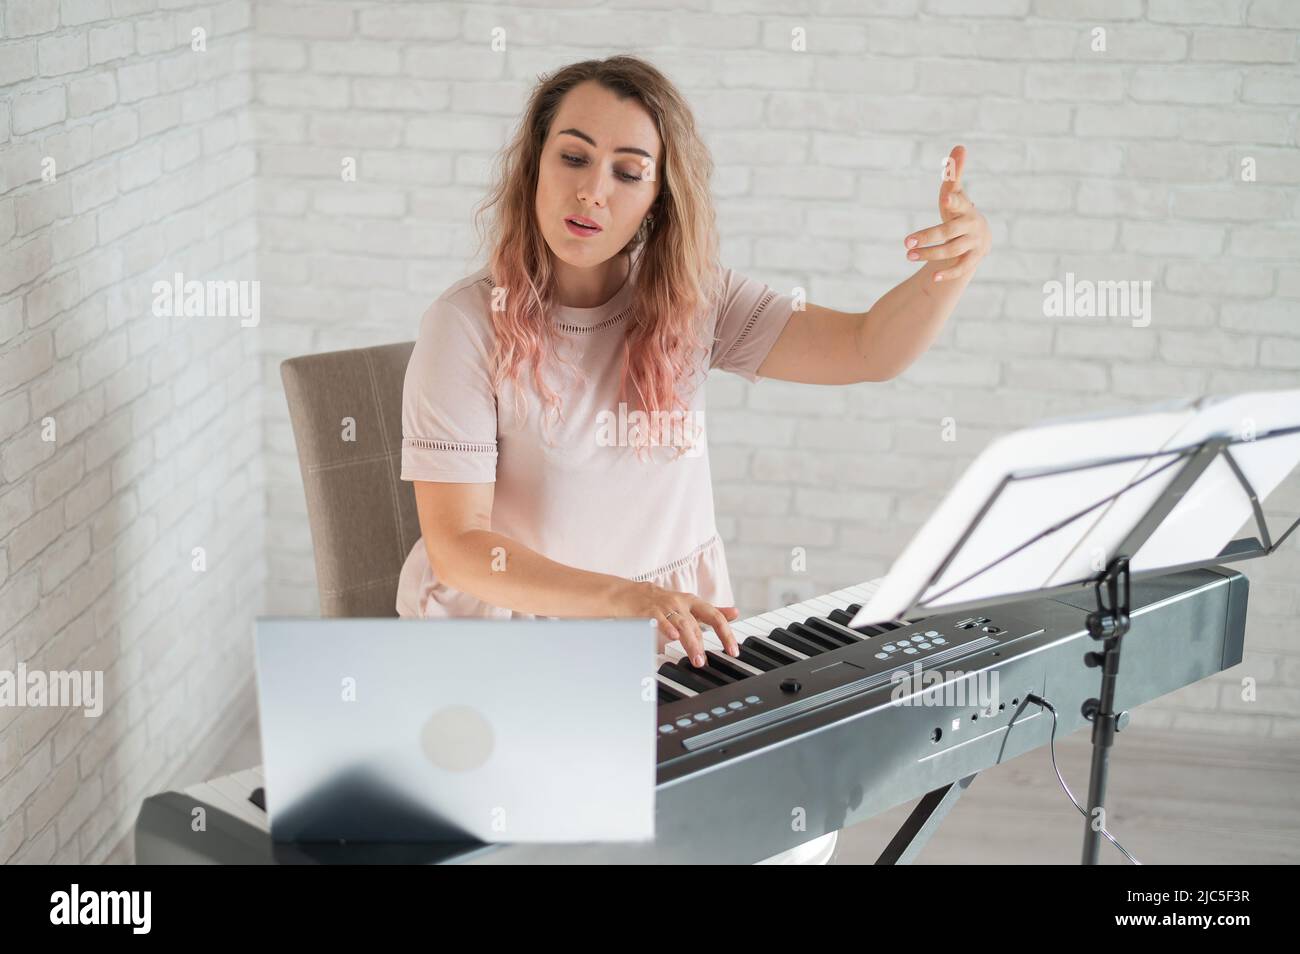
<point x="925" y="819"/>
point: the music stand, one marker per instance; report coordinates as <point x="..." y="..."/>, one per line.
<point x="1159" y="502"/>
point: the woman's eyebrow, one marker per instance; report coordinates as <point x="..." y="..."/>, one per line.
<point x="582" y="135"/>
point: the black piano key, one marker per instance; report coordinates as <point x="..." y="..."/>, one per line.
<point x="834" y="630"/>
<point x="872" y="629"/>
<point x="828" y="632"/>
<point x="889" y="625"/>
<point x="669" y="695"/>
<point x="710" y="670"/>
<point x="258" y="798"/>
<point x="787" y="638"/>
<point x="766" y="649"/>
<point x="869" y="629"/>
<point x="688" y="676"/>
<point x="754" y="659"/>
<point x="845" y="616"/>
<point x="703" y="672"/>
<point x="670" y="671"/>
<point x="815" y="637"/>
<point x="724" y="664"/>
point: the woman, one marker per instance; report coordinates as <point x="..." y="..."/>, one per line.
<point x="553" y="413"/>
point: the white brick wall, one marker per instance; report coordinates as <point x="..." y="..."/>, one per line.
<point x="1122" y="165"/>
<point x="158" y="437"/>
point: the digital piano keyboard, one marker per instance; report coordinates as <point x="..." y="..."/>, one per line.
<point x="805" y="732"/>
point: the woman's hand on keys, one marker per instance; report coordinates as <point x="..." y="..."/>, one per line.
<point x="680" y="616"/>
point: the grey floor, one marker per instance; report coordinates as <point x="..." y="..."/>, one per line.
<point x="1173" y="798"/>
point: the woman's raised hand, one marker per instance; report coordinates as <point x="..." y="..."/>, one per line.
<point x="963" y="238"/>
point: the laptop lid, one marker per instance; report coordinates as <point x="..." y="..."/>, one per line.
<point x="457" y="729"/>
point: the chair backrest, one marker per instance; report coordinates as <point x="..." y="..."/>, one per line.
<point x="362" y="515"/>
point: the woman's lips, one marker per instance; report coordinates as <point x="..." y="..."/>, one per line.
<point x="578" y="230"/>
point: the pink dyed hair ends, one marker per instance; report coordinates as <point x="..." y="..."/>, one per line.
<point x="678" y="277"/>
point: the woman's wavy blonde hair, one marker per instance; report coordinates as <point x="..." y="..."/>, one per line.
<point x="677" y="247"/>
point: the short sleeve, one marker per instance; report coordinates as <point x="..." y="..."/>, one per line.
<point x="449" y="412"/>
<point x="751" y="316"/>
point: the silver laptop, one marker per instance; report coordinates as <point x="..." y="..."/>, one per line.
<point x="401" y="730"/>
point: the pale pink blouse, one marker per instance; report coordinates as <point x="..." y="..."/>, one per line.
<point x="585" y="501"/>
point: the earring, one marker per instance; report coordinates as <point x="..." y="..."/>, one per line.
<point x="646" y="224"/>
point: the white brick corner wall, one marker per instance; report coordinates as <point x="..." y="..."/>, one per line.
<point x="224" y="164"/>
<point x="126" y="440"/>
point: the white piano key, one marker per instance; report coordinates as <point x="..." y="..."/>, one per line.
<point x="677" y="686"/>
<point x="741" y="664"/>
<point x="243" y="781"/>
<point x="249" y="778"/>
<point x="866" y="590"/>
<point x="784" y="615"/>
<point x="789" y="615"/>
<point x="770" y="620"/>
<point x="820" y="607"/>
<point x="203" y="792"/>
<point x="228" y="778"/>
<point x="837" y="598"/>
<point x="710" y="642"/>
<point x="831" y="601"/>
<point x="862" y="598"/>
<point x="764" y="623"/>
<point x="720" y="644"/>
<point x="223" y="799"/>
<point x="240" y="806"/>
<point x="783" y="648"/>
<point x="711" y="639"/>
<point x="235" y="786"/>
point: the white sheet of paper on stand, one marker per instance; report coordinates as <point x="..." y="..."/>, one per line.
<point x="1215" y="509"/>
<point x="1012" y="545"/>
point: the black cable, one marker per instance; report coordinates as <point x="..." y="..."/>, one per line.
<point x="1035" y="698"/>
